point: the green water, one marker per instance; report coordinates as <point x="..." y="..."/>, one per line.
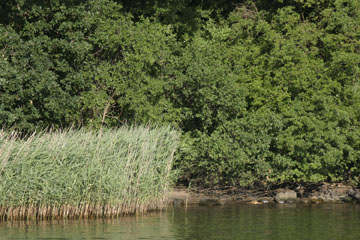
<point x="265" y="222"/>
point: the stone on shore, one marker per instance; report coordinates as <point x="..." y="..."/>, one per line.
<point x="316" y="200"/>
<point x="266" y="200"/>
<point x="357" y="196"/>
<point x="288" y="196"/>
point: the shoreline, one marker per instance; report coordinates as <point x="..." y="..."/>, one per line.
<point x="324" y="193"/>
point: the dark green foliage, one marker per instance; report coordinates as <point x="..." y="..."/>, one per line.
<point x="264" y="91"/>
<point x="297" y="123"/>
<point x="128" y="76"/>
<point x="43" y="49"/>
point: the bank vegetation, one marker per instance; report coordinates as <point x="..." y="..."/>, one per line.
<point x="263" y="92"/>
<point x="85" y="174"/>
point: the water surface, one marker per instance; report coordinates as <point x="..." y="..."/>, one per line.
<point x="330" y="222"/>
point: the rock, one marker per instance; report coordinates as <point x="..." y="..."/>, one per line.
<point x="286" y="197"/>
<point x="209" y="202"/>
<point x="254" y="202"/>
<point x="353" y="196"/>
<point x="292" y="201"/>
<point x="265" y="200"/>
<point x="352" y="193"/>
<point x="324" y="188"/>
<point x="177" y="202"/>
<point x="225" y="201"/>
<point x="316" y="200"/>
<point x="357" y="196"/>
<point x="327" y="198"/>
<point x="332" y="193"/>
<point x="339" y="193"/>
<point x="304" y="200"/>
<point x="330" y="200"/>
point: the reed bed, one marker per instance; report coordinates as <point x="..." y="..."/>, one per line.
<point x="85" y="174"/>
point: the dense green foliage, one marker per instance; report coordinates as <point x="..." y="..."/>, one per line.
<point x="79" y="173"/>
<point x="263" y="91"/>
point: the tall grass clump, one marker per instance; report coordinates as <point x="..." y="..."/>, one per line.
<point x="84" y="174"/>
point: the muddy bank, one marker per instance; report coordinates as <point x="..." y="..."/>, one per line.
<point x="314" y="194"/>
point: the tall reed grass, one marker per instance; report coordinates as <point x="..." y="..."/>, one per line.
<point x="85" y="174"/>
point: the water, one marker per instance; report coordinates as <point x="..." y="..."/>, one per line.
<point x="265" y="222"/>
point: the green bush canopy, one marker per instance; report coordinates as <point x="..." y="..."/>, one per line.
<point x="262" y="91"/>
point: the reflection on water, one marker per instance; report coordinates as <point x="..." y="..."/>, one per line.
<point x="330" y="222"/>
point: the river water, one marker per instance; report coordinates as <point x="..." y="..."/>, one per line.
<point x="258" y="222"/>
